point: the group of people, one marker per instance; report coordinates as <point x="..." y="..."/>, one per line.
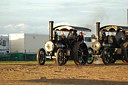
<point x="74" y="35"/>
<point x="71" y="35"/>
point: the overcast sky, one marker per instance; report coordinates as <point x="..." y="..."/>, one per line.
<point x="33" y="16"/>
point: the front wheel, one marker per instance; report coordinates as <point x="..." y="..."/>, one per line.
<point x="113" y="60"/>
<point x="41" y="56"/>
<point x="60" y="57"/>
<point x="90" y="58"/>
<point x="107" y="56"/>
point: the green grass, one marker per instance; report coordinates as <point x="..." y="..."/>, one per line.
<point x="29" y="62"/>
<point x="18" y="62"/>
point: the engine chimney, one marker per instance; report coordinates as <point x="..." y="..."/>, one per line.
<point x="51" y="30"/>
<point x="98" y="29"/>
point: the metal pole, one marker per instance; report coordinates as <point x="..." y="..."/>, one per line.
<point x="51" y="30"/>
<point x="98" y="29"/>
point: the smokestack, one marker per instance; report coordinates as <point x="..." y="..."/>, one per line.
<point x="51" y="30"/>
<point x="98" y="29"/>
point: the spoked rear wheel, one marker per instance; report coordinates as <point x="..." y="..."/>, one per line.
<point x="41" y="56"/>
<point x="60" y="57"/>
<point x="80" y="53"/>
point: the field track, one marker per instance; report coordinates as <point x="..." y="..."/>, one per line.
<point x="30" y="73"/>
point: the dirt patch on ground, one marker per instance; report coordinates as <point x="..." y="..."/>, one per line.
<point x="51" y="74"/>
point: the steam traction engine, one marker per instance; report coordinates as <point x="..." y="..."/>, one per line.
<point x="112" y="43"/>
<point x="61" y="47"/>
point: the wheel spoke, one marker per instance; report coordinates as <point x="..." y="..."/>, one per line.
<point x="107" y="56"/>
<point x="81" y="54"/>
<point x="41" y="56"/>
<point x="60" y="57"/>
<point x="80" y="59"/>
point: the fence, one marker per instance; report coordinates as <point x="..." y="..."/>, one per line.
<point x="18" y="57"/>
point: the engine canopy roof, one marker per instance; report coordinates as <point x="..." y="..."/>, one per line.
<point x="70" y="28"/>
<point x="113" y="28"/>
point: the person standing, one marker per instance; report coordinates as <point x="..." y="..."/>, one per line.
<point x="81" y="37"/>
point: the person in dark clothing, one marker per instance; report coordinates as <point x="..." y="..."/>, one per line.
<point x="74" y="34"/>
<point x="80" y="37"/>
<point x="71" y="38"/>
<point x="70" y="34"/>
<point x="104" y="36"/>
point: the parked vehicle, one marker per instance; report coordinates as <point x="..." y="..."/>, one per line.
<point x="111" y="44"/>
<point x="61" y="47"/>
